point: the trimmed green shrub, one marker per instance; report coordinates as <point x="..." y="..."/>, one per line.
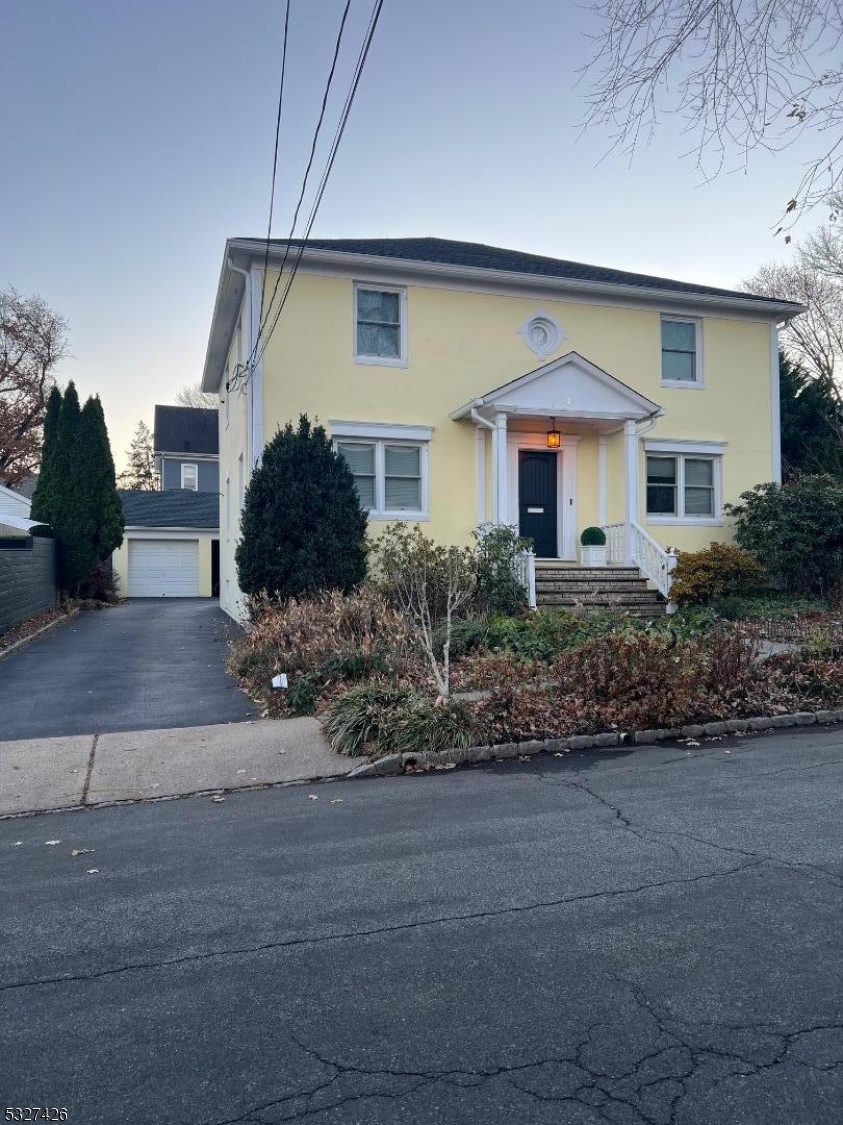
<point x="593" y="537"/>
<point x="720" y="570"/>
<point x="303" y="528"/>
<point x="796" y="529"/>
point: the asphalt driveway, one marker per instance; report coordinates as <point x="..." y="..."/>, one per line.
<point x="142" y="665"/>
<point x="645" y="938"/>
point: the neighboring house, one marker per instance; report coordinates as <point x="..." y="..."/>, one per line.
<point x="466" y="384"/>
<point x="15" y="507"/>
<point x="171" y="546"/>
<point x="186" y="448"/>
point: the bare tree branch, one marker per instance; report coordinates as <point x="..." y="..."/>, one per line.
<point x="193" y="395"/>
<point x="33" y="339"/>
<point x="743" y="74"/>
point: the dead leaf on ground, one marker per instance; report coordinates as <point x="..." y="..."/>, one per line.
<point x="312" y="797"/>
<point x="93" y="871"/>
<point x="217" y="799"/>
<point x="82" y="851"/>
<point x="336" y="800"/>
<point x="51" y="843"/>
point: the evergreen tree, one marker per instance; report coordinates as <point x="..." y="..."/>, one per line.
<point x="302" y="526"/>
<point x="810" y="422"/>
<point x="76" y="555"/>
<point x="40" y="508"/>
<point x="104" y="513"/>
<point x="140" y="473"/>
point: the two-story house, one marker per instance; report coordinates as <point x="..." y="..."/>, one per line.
<point x="171" y="545"/>
<point x="468" y="384"/>
<point x="186" y="448"/>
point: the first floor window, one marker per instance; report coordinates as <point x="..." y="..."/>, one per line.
<point x="190" y="476"/>
<point x="389" y="475"/>
<point x="681" y="486"/>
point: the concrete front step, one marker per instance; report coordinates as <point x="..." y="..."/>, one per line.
<point x="614" y="585"/>
<point x="599" y="598"/>
<point x="639" y="609"/>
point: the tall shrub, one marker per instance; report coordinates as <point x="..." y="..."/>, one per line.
<point x="302" y="527"/>
<point x="40" y="507"/>
<point x="98" y="488"/>
<point x="795" y="530"/>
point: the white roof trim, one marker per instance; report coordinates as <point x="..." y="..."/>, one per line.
<point x="640" y="406"/>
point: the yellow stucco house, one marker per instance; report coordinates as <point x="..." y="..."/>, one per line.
<point x="467" y="384"/>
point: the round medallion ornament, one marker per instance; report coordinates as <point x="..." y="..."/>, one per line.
<point x="541" y="334"/>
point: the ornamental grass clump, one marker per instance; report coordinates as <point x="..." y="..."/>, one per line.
<point x="378" y="719"/>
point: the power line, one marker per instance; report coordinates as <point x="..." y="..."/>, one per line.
<point x="349" y="102"/>
<point x="275" y="155"/>
<point x="317" y="131"/>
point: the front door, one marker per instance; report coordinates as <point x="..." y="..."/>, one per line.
<point x="537" y="514"/>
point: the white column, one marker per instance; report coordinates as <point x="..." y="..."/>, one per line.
<point x="501" y="471"/>
<point x="602" y="478"/>
<point x="630" y="435"/>
<point x="481" y="475"/>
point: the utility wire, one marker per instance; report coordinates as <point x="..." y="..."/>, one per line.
<point x="349" y="102"/>
<point x="252" y="357"/>
<point x="275" y="156"/>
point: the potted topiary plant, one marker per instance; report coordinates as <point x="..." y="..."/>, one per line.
<point x="593" y="547"/>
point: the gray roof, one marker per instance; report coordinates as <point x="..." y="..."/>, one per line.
<point x="177" y="507"/>
<point x="186" y="429"/>
<point x="476" y="255"/>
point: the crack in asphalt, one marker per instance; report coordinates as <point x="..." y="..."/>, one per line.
<point x="648" y="835"/>
<point x="398" y="927"/>
<point x="684" y="1051"/>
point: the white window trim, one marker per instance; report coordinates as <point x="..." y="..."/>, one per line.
<point x="381" y="360"/>
<point x="371" y="436"/>
<point x="699" y="383"/>
<point x="190" y="465"/>
<point x="708" y="451"/>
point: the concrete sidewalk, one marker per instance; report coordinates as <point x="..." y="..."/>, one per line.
<point x="59" y="773"/>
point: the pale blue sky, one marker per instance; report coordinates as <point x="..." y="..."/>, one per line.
<point x="137" y="136"/>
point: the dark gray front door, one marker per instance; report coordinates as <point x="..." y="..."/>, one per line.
<point x="537" y="513"/>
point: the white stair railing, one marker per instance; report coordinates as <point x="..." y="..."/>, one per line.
<point x="525" y="572"/>
<point x="615" y="542"/>
<point x="653" y="560"/>
<point x="641" y="550"/>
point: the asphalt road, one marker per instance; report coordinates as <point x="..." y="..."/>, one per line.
<point x="141" y="665"/>
<point x="652" y="937"/>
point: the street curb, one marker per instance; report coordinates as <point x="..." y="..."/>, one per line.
<point x="392" y="764"/>
<point x="24" y="641"/>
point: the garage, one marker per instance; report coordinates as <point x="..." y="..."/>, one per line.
<point x="170" y="545"/>
<point x="164" y="568"/>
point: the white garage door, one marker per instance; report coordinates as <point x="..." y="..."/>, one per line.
<point x="163" y="568"/>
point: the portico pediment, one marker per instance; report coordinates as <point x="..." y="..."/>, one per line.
<point x="569" y="387"/>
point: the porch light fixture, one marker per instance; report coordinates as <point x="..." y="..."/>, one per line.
<point x="554" y="438"/>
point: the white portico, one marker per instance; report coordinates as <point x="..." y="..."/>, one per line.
<point x="536" y="424"/>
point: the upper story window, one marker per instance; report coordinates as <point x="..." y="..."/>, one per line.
<point x="681" y="351"/>
<point x="380" y="325"/>
<point x="189" y="476"/>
